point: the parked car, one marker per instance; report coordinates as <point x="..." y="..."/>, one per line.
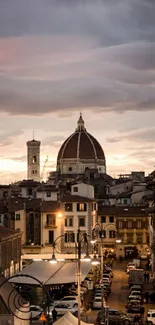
<point x="130" y="266"/>
<point x="135" y="293"/>
<point x="105" y="280"/>
<point x="116" y="317"/>
<point x="68" y="300"/>
<point x="138" y="298"/>
<point x="62" y="308"/>
<point x="134" y="306"/>
<point x="35" y="311"/>
<point x="107" y="276"/>
<point x="97" y="302"/>
<point x="137" y="287"/>
<point x="150" y="317"/>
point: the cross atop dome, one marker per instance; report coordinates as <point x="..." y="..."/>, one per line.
<point x="80" y="124"/>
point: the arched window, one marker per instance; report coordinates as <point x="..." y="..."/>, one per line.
<point x="34" y="159"/>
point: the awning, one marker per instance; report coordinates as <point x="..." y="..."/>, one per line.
<point x="69" y="319"/>
<point x="50" y="274"/>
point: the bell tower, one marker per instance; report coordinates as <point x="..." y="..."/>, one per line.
<point x="33" y="160"/>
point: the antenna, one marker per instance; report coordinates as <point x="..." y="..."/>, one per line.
<point x="33" y="134"/>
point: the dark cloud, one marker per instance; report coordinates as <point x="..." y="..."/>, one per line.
<point x="69" y="55"/>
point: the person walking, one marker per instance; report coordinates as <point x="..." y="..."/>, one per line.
<point x="54" y="315"/>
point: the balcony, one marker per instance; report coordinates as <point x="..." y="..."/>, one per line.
<point x="50" y="225"/>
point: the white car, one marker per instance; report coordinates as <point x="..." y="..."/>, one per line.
<point x="150" y="317"/>
<point x="136" y="287"/>
<point x="105" y="280"/>
<point x="130" y="266"/>
<point x="62" y="308"/>
<point x="135" y="293"/>
<point x="97" y="302"/>
<point x="131" y="297"/>
<point x="35" y="312"/>
<point x="67" y="300"/>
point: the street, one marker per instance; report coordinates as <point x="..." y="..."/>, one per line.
<point x="118" y="296"/>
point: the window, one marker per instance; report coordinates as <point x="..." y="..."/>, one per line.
<point x="69" y="237"/>
<point x="81" y="222"/>
<point x="75" y="189"/>
<point x="103" y="219"/>
<point x="129" y="238"/>
<point x="48" y="194"/>
<point x="51" y="236"/>
<point x="34" y="159"/>
<point x="120" y="224"/>
<point x="35" y="171"/>
<point x="125" y="201"/>
<point x="81" y="207"/>
<point x="70" y="169"/>
<point x="129" y="224"/>
<point x="0" y="218"/>
<point x="69" y="222"/>
<point x="139" y="224"/>
<point x="103" y="234"/>
<point x="50" y="219"/>
<point x="17" y="217"/>
<point x="68" y="207"/>
<point x="140" y="238"/>
<point x="111" y="219"/>
<point x="112" y="234"/>
<point x="29" y="191"/>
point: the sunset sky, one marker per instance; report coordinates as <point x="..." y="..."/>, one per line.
<point x="62" y="57"/>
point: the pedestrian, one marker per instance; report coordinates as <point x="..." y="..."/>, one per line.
<point x="146" y="296"/>
<point x="144" y="275"/>
<point x="54" y="315"/>
<point x="147" y="277"/>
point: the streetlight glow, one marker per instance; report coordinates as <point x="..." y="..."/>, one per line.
<point x="53" y="260"/>
<point x="95" y="261"/>
<point x="87" y="258"/>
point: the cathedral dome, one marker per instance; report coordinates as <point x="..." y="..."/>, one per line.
<point x="80" y="151"/>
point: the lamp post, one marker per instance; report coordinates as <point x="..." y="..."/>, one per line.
<point x="98" y="232"/>
<point x="87" y="258"/>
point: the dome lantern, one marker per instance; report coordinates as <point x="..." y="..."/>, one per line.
<point x="80" y="124"/>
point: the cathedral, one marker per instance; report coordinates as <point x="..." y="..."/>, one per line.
<point x="80" y="157"/>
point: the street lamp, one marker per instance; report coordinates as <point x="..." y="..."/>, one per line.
<point x="87" y="258"/>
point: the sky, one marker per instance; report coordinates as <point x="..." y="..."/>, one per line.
<point x="62" y="57"/>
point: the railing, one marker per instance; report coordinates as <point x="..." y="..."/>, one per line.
<point x="49" y="225"/>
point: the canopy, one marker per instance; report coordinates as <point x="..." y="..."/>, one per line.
<point x="50" y="274"/>
<point x="69" y="319"/>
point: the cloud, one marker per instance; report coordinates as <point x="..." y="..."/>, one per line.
<point x="7" y="136"/>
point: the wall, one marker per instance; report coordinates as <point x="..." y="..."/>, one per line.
<point x="43" y="195"/>
<point x="45" y="231"/>
<point x="21" y="224"/>
<point x="120" y="188"/>
<point x="84" y="190"/>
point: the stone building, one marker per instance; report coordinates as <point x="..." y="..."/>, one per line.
<point x="80" y="152"/>
<point x="33" y="160"/>
<point x="10" y="251"/>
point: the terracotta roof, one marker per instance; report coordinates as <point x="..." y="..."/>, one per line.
<point x="123" y="211"/>
<point x="46" y="188"/>
<point x="34" y="204"/>
<point x="76" y="198"/>
<point x="7" y="232"/>
<point x="29" y="183"/>
<point x="48" y="206"/>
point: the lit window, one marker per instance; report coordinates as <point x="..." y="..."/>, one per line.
<point x="34" y="159"/>
<point x="129" y="224"/>
<point x="120" y="224"/>
<point x="139" y="224"/>
<point x="81" y="207"/>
